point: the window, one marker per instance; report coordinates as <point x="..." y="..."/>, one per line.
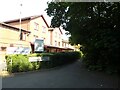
<point x="55" y="34"/>
<point x="65" y="44"/>
<point x="3" y="48"/>
<point x="59" y="36"/>
<point x="45" y="40"/>
<point x="62" y="44"/>
<point x="55" y="43"/>
<point x="23" y="36"/>
<point x="36" y="26"/>
<point x="11" y="45"/>
<point x="43" y="29"/>
<point x="59" y="43"/>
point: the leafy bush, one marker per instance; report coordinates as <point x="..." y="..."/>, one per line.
<point x="36" y="65"/>
<point x="18" y="63"/>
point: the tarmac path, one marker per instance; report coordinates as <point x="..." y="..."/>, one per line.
<point x="70" y="76"/>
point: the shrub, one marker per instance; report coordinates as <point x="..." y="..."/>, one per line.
<point x="36" y="65"/>
<point x="19" y="63"/>
<point x="30" y="67"/>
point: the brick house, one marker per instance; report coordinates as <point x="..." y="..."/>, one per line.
<point x="32" y="28"/>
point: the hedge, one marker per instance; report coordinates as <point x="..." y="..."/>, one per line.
<point x="39" y="54"/>
<point x="62" y="58"/>
<point x="20" y="63"/>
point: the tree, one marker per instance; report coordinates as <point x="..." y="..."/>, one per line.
<point x="94" y="25"/>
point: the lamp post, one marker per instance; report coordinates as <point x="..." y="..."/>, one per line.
<point x="20" y="21"/>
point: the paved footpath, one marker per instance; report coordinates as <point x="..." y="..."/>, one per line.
<point x="70" y="76"/>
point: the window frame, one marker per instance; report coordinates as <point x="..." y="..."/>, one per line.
<point x="58" y="43"/>
<point x="36" y="26"/>
<point x="55" y="43"/>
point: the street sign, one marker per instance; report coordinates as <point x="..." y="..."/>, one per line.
<point x="35" y="59"/>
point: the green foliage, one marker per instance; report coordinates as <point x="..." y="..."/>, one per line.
<point x="57" y="59"/>
<point x="36" y="65"/>
<point x="46" y="64"/>
<point x="94" y="25"/>
<point x="64" y="58"/>
<point x="46" y="54"/>
<point x="18" y="63"/>
<point x="34" y="55"/>
<point x="39" y="54"/>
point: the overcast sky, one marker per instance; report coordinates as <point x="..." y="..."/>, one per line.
<point x="10" y="9"/>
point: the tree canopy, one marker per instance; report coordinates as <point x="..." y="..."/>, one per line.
<point x="94" y="25"/>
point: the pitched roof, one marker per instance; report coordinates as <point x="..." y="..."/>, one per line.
<point x="51" y="29"/>
<point x="45" y="21"/>
<point x="12" y="27"/>
<point x="28" y="18"/>
<point x="61" y="31"/>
